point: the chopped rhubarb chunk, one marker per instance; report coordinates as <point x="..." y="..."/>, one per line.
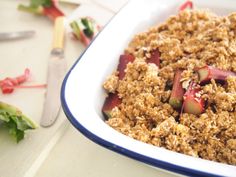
<point x="85" y="29"/>
<point x="177" y="92"/>
<point x="85" y="40"/>
<point x="207" y="73"/>
<point x="111" y="101"/>
<point x="124" y="60"/>
<point x="193" y="103"/>
<point x="155" y="58"/>
<point x="187" y="4"/>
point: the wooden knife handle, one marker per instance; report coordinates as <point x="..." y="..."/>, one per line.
<point x="58" y="33"/>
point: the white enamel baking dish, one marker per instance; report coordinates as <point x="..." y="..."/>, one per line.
<point x="82" y="94"/>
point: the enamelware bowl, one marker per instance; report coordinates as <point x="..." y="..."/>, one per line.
<point x="82" y="94"/>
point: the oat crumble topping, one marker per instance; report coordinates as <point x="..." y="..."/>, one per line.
<point x="193" y="38"/>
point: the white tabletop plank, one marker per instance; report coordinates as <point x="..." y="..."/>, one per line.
<point x="75" y="155"/>
<point x="17" y="159"/>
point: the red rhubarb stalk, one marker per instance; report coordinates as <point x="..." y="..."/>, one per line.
<point x="84" y="29"/>
<point x="155" y="58"/>
<point x="123" y="61"/>
<point x="187" y="4"/>
<point x="111" y="101"/>
<point x="31" y="86"/>
<point x="52" y="12"/>
<point x="207" y="73"/>
<point x="47" y="8"/>
<point x="177" y="92"/>
<point x="193" y="103"/>
<point x="8" y="84"/>
<point x="79" y="34"/>
<point x="84" y="39"/>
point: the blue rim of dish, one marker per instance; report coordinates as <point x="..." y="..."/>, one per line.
<point x="119" y="149"/>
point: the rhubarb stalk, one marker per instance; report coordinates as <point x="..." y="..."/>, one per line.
<point x="177" y="92"/>
<point x="193" y="103"/>
<point x="123" y="61"/>
<point x="85" y="29"/>
<point x="155" y="58"/>
<point x="111" y="101"/>
<point x="8" y="84"/>
<point x="47" y="8"/>
<point x="207" y="73"/>
<point x="187" y="4"/>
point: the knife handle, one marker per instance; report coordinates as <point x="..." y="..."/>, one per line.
<point x="58" y="33"/>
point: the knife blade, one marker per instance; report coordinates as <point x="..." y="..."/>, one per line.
<point x="55" y="75"/>
<point x="16" y="35"/>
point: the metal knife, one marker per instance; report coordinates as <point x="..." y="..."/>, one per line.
<point x="16" y="35"/>
<point x="55" y="75"/>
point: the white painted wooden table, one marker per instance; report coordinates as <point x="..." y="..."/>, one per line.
<point x="59" y="151"/>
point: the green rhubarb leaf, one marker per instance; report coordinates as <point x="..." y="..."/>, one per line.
<point x="3" y="116"/>
<point x="14" y="132"/>
<point x="44" y="3"/>
<point x="15" y="121"/>
<point x="35" y="6"/>
<point x="19" y="135"/>
<point x="21" y="124"/>
<point x="31" y="9"/>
